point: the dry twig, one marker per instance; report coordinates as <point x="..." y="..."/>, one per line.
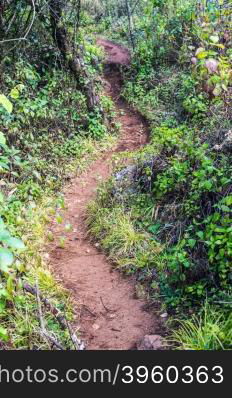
<point x="78" y="344"/>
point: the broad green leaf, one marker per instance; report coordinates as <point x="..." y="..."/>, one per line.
<point x="2" y="139"/>
<point x="14" y="93"/>
<point x="6" y="259"/>
<point x="6" y="103"/>
<point x="14" y="243"/>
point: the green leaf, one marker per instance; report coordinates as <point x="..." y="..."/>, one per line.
<point x="6" y="259"/>
<point x="6" y="103"/>
<point x="214" y="39"/>
<point x="228" y="200"/>
<point x="200" y="234"/>
<point x="4" y="166"/>
<point x="201" y="53"/>
<point x="3" y="334"/>
<point x="14" y="93"/>
<point x="15" y="243"/>
<point x="208" y="185"/>
<point x="2" y="139"/>
<point x="20" y="87"/>
<point x="59" y="219"/>
<point x="154" y="228"/>
<point x="4" y="235"/>
<point x="225" y="208"/>
<point x="224" y="87"/>
<point x="3" y="294"/>
<point x="192" y="243"/>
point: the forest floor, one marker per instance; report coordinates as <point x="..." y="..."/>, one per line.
<point x="107" y="310"/>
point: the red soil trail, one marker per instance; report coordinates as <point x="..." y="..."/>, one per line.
<point x="109" y="315"/>
<point x="115" y="53"/>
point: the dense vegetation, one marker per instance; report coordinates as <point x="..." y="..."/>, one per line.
<point x="171" y="205"/>
<point x="51" y="126"/>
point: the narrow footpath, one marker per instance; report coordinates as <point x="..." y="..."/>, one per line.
<point x="108" y="313"/>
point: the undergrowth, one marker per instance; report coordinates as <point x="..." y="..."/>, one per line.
<point x="166" y="217"/>
<point x="47" y="136"/>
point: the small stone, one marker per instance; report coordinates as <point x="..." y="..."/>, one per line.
<point x="96" y="326"/>
<point x="150" y="342"/>
<point x="164" y="315"/>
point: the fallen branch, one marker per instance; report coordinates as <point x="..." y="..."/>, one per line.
<point x="43" y="330"/>
<point x="78" y="344"/>
<point x="45" y="334"/>
<point x="60" y="318"/>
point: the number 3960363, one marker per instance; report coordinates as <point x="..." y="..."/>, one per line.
<point x="172" y="375"/>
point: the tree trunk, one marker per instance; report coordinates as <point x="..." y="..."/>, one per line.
<point x="130" y="21"/>
<point x="72" y="57"/>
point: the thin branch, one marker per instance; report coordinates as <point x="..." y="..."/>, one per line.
<point x="27" y="31"/>
<point x="43" y="330"/>
<point x="78" y="344"/>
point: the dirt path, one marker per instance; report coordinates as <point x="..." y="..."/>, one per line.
<point x="109" y="315"/>
<point x="115" y="53"/>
